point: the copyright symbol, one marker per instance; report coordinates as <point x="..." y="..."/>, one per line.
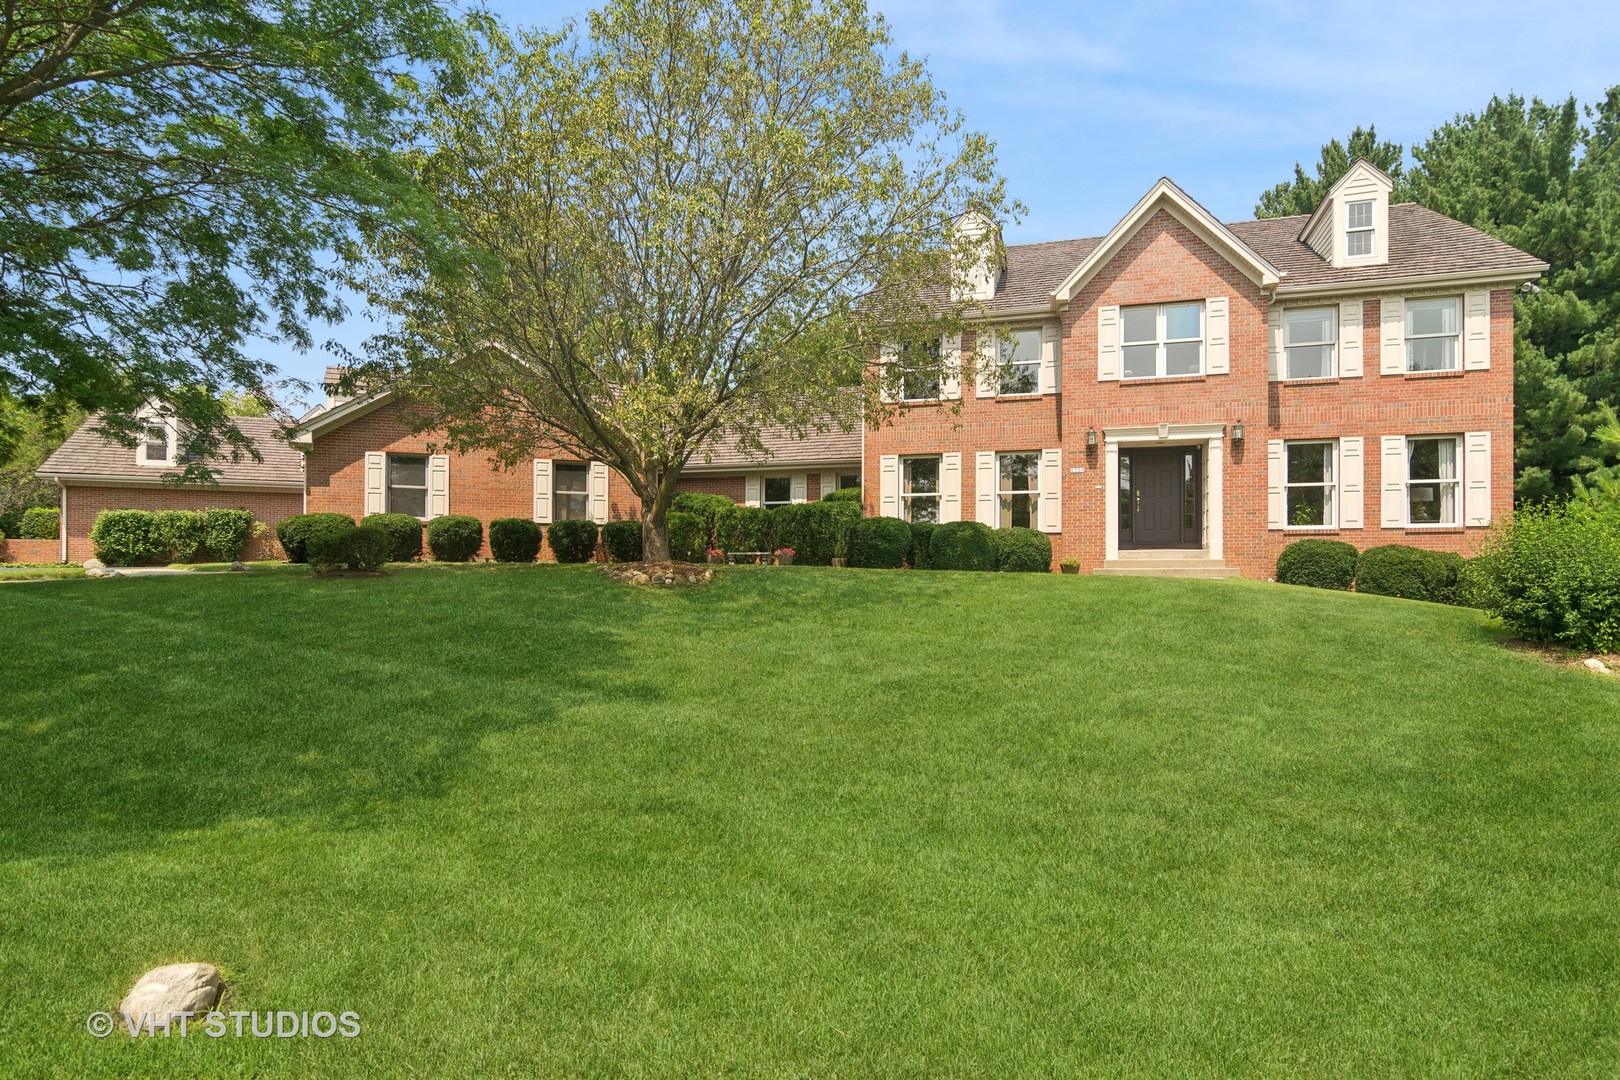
<point x="99" y="1024"/>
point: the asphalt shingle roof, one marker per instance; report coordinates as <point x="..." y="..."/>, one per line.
<point x="89" y="453"/>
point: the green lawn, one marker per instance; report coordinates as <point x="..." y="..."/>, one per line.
<point x="805" y="822"/>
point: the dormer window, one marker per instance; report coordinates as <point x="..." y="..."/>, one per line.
<point x="155" y="445"/>
<point x="1358" y="236"/>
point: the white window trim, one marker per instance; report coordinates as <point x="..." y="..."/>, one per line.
<point x="1455" y="335"/>
<point x="1034" y="493"/>
<point x="1370" y="230"/>
<point x="996" y="335"/>
<point x="765" y="480"/>
<point x="557" y="491"/>
<point x="939" y="388"/>
<point x="1162" y="343"/>
<point x="168" y="444"/>
<point x="938" y="495"/>
<point x="1456" y="482"/>
<point x="1332" y="343"/>
<point x="389" y="485"/>
<point x="1332" y="485"/>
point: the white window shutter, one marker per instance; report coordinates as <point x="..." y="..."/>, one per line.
<point x="1352" y="480"/>
<point x="987" y="380"/>
<point x="1217" y="337"/>
<point x="751" y="490"/>
<point x="1477" y="478"/>
<point x="438" y="501"/>
<point x="1392" y="347"/>
<point x="1276" y="502"/>
<point x="984" y="482"/>
<point x="800" y="486"/>
<point x="542" y="490"/>
<point x="1108" y="343"/>
<point x="1392" y="477"/>
<point x="599" y="492"/>
<point x="950" y="487"/>
<point x="1051" y="515"/>
<point x="376" y="482"/>
<point x="887" y="356"/>
<point x="1476" y="331"/>
<point x="1274" y="343"/>
<point x="1350" y="339"/>
<point x="1051" y="359"/>
<point x="950" y="383"/>
<point x="888" y="485"/>
<point x="829" y="483"/>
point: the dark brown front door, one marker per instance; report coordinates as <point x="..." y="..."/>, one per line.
<point x="1160" y="489"/>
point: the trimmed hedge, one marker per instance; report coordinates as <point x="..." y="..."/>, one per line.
<point x="404" y="535"/>
<point x="879" y="543"/>
<point x="922" y="535"/>
<point x="1023" y="551"/>
<point x="227" y="532"/>
<point x="351" y="547"/>
<point x="1321" y="564"/>
<point x="40" y="523"/>
<point x="706" y="507"/>
<point x="126" y="538"/>
<point x="514" y="540"/>
<point x="622" y="540"/>
<point x="294" y="532"/>
<point x="963" y="545"/>
<point x="688" y="536"/>
<point x="1409" y="572"/>
<point x="1550" y="574"/>
<point x="743" y="528"/>
<point x="455" y="537"/>
<point x="179" y="533"/>
<point x="843" y="495"/>
<point x="573" y="541"/>
<point x="812" y="530"/>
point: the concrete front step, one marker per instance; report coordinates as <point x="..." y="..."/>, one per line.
<point x="1176" y="567"/>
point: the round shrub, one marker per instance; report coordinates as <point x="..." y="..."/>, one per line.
<point x="371" y="547"/>
<point x="293" y="533"/>
<point x="514" y="540"/>
<point x="1456" y="572"/>
<point x="126" y="538"/>
<point x="879" y="543"/>
<point x="39" y="523"/>
<point x="622" y="540"/>
<point x="1321" y="564"/>
<point x="688" y="536"/>
<point x="922" y="536"/>
<point x="1409" y="572"/>
<point x="963" y="545"/>
<point x="706" y="507"/>
<point x="742" y="528"/>
<point x="179" y="533"/>
<point x="573" y="541"/>
<point x="347" y="547"/>
<point x="1549" y="574"/>
<point x="455" y="537"/>
<point x="1023" y="551"/>
<point x="227" y="532"/>
<point x="852" y="495"/>
<point x="404" y="535"/>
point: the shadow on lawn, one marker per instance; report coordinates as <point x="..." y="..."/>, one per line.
<point x="142" y="709"/>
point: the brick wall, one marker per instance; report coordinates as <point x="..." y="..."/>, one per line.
<point x="84" y="502"/>
<point x="30" y="551"/>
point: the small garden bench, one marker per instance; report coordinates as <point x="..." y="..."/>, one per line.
<point x="755" y="557"/>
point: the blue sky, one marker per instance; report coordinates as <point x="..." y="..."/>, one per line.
<point x="1090" y="103"/>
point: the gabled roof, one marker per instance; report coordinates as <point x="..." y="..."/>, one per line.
<point x="1361" y="167"/>
<point x="1165" y="195"/>
<point x="87" y="455"/>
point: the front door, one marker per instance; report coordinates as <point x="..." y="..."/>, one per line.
<point x="1160" y="490"/>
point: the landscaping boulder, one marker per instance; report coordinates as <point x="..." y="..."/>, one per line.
<point x="94" y="564"/>
<point x="1594" y="664"/>
<point x="166" y="992"/>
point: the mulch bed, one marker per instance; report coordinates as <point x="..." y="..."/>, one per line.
<point x="1559" y="656"/>
<point x="663" y="575"/>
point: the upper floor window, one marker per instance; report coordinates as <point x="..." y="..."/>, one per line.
<point x="919" y="371"/>
<point x="570" y="491"/>
<point x="1358" y="236"/>
<point x="1432" y="483"/>
<point x="1162" y="340"/>
<point x="1431" y="335"/>
<point x="155" y="444"/>
<point x="1308" y="343"/>
<point x="1018" y="489"/>
<point x="1309" y="483"/>
<point x="919" y="489"/>
<point x="407" y="484"/>
<point x="778" y="491"/>
<point x="1018" y="361"/>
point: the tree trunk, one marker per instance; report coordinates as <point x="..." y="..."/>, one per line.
<point x="655" y="529"/>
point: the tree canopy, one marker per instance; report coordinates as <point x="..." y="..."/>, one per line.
<point x="680" y="224"/>
<point x="1303" y="193"/>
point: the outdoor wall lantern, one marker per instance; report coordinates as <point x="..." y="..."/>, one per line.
<point x="1091" y="438"/>
<point x="1237" y="431"/>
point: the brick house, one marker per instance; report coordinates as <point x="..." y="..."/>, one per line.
<point x="1189" y="396"/>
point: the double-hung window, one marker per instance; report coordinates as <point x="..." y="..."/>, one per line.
<point x="570" y="491"/>
<point x="778" y="491"/>
<point x="407" y="484"/>
<point x="155" y="444"/>
<point x="919" y="371"/>
<point x="1309" y="482"/>
<point x="1431" y="335"/>
<point x="1018" y="361"/>
<point x="919" y="489"/>
<point x="1358" y="235"/>
<point x="1433" y="486"/>
<point x="848" y="480"/>
<point x="1161" y="340"/>
<point x="1308" y="343"/>
<point x="1018" y="489"/>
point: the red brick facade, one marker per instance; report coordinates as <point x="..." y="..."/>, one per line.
<point x="85" y="502"/>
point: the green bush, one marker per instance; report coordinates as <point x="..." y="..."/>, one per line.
<point x="879" y="543"/>
<point x="404" y="535"/>
<point x="1321" y="564"/>
<point x="844" y="495"/>
<point x="1550" y="573"/>
<point x="922" y="535"/>
<point x="39" y="523"/>
<point x="688" y="536"/>
<point x="226" y="532"/>
<point x="179" y="533"/>
<point x="455" y="537"/>
<point x="742" y="528"/>
<point x="963" y="545"/>
<point x="573" y="541"/>
<point x="622" y="540"/>
<point x="514" y="540"/>
<point x="1023" y="551"/>
<point x="293" y="533"/>
<point x="707" y="507"/>
<point x="1456" y="573"/>
<point x="126" y="538"/>
<point x="348" y="547"/>
<point x="1409" y="572"/>
<point x="812" y="530"/>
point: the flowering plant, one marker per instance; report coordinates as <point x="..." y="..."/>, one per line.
<point x="713" y="551"/>
<point x="784" y="551"/>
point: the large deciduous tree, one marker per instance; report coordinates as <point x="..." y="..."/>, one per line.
<point x="682" y="223"/>
<point x="179" y="175"/>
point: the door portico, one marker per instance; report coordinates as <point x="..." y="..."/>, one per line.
<point x="1165" y="491"/>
